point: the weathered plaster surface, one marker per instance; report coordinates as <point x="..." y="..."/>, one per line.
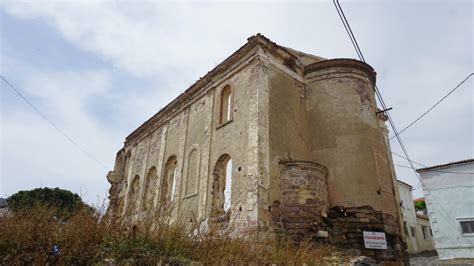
<point x="287" y="106"/>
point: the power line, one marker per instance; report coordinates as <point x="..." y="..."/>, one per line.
<point x="424" y="166"/>
<point x="396" y="154"/>
<point x="348" y="29"/>
<point x="432" y="107"/>
<point x="50" y="122"/>
<point x="438" y="171"/>
<point x="403" y="166"/>
<point x="379" y="96"/>
<point x="377" y="91"/>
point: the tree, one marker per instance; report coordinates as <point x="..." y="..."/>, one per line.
<point x="420" y="205"/>
<point x="62" y="199"/>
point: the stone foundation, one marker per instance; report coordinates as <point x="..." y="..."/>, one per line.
<point x="303" y="213"/>
<point x="347" y="224"/>
<point x="304" y="201"/>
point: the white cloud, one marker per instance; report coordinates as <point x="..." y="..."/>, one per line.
<point x="39" y="155"/>
<point x="143" y="45"/>
<point x="420" y="52"/>
<point x="148" y="39"/>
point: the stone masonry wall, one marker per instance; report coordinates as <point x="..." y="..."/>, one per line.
<point x="303" y="213"/>
<point x="286" y="105"/>
<point x="347" y="226"/>
<point x="304" y="201"/>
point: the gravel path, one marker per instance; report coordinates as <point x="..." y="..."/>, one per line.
<point x="431" y="258"/>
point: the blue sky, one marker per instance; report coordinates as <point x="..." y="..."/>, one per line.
<point x="99" y="69"/>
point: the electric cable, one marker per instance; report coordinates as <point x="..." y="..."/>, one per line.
<point x="51" y="122"/>
<point x="379" y="96"/>
<point x="432" y="107"/>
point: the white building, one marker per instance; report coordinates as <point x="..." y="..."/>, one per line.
<point x="417" y="231"/>
<point x="409" y="215"/>
<point x="449" y="197"/>
<point x="424" y="233"/>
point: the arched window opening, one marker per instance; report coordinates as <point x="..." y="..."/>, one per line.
<point x="150" y="189"/>
<point x="192" y="178"/>
<point x="222" y="186"/>
<point x="168" y="182"/>
<point x="226" y="104"/>
<point x="133" y="195"/>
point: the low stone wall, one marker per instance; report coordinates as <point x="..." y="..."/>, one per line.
<point x="347" y="226"/>
<point x="303" y="213"/>
<point x="304" y="201"/>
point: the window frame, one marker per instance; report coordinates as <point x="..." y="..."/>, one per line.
<point x="466" y="220"/>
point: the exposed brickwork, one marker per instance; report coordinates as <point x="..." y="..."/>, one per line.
<point x="304" y="200"/>
<point x="303" y="214"/>
<point x="347" y="225"/>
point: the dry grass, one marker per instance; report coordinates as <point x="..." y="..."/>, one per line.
<point x="86" y="237"/>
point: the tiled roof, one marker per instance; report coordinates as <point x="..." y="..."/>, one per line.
<point x="419" y="199"/>
<point x="398" y="180"/>
<point x="445" y="165"/>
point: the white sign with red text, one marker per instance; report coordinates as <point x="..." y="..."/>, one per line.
<point x="375" y="240"/>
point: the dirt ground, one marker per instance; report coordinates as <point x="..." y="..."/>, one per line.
<point x="431" y="258"/>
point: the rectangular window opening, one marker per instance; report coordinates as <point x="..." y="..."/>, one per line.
<point x="425" y="234"/>
<point x="467" y="227"/>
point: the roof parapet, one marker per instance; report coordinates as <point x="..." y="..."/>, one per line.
<point x="343" y="62"/>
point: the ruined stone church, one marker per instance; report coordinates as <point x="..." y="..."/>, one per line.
<point x="272" y="140"/>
